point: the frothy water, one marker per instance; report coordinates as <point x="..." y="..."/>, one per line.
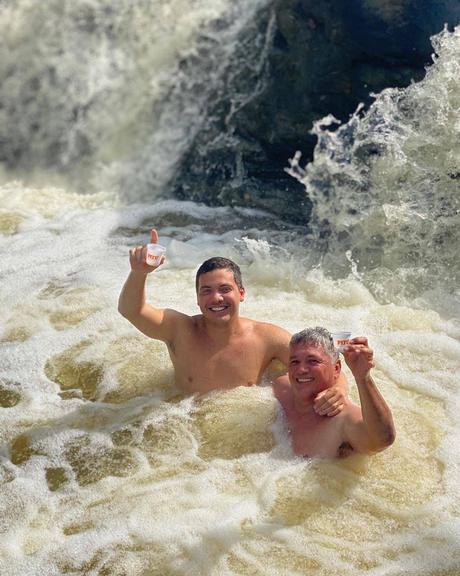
<point x="107" y="469"/>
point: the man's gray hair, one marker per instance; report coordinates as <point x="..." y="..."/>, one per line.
<point x="316" y="336"/>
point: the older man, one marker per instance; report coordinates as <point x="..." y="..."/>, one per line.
<point x="314" y="366"/>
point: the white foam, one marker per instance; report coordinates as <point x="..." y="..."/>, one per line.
<point x="104" y="467"/>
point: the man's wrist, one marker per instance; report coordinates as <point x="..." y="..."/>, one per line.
<point x="364" y="380"/>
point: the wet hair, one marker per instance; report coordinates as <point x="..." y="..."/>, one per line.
<point x="316" y="336"/>
<point x="219" y="263"/>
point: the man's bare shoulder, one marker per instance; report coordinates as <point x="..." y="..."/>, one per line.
<point x="178" y="320"/>
<point x="352" y="413"/>
<point x="353" y="427"/>
<point x="267" y="330"/>
<point x="275" y="340"/>
<point x="176" y="316"/>
<point x="282" y="388"/>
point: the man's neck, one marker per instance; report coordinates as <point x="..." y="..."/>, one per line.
<point x="221" y="332"/>
<point x="302" y="406"/>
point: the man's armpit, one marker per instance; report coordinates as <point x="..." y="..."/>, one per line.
<point x="355" y="431"/>
<point x="275" y="369"/>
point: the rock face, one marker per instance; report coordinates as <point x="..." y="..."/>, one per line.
<point x="324" y="57"/>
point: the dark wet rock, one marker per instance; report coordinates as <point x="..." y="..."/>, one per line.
<point x="324" y="58"/>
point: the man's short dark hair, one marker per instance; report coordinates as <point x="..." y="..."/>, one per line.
<point x="219" y="263"/>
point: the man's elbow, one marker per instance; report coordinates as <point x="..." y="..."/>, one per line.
<point x="385" y="439"/>
<point x="389" y="437"/>
<point x="126" y="311"/>
<point x="122" y="309"/>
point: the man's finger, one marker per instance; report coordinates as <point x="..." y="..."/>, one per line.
<point x="330" y="409"/>
<point x="153" y="236"/>
<point x="321" y="398"/>
<point x="323" y="401"/>
<point x="359" y="340"/>
<point x="335" y="412"/>
<point x="144" y="254"/>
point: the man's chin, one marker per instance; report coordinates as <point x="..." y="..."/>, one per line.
<point x="304" y="387"/>
<point x="306" y="392"/>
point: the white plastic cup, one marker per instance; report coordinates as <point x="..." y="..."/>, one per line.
<point x="154" y="254"/>
<point x="341" y="340"/>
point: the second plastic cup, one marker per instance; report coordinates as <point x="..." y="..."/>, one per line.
<point x="341" y="339"/>
<point x="154" y="254"/>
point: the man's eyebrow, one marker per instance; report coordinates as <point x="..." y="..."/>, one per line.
<point x="224" y="285"/>
<point x="315" y="356"/>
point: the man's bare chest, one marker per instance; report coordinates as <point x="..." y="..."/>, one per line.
<point x="320" y="438"/>
<point x="239" y="361"/>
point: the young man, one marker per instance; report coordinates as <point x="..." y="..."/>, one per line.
<point x="217" y="349"/>
<point x="314" y="366"/>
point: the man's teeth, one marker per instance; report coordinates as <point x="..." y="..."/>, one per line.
<point x="217" y="308"/>
<point x="304" y="379"/>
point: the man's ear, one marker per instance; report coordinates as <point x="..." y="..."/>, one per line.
<point x="337" y="369"/>
<point x="242" y="294"/>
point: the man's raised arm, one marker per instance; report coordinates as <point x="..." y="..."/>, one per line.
<point x="375" y="430"/>
<point x="153" y="322"/>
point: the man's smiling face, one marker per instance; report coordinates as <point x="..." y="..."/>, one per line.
<point x="311" y="370"/>
<point x="218" y="295"/>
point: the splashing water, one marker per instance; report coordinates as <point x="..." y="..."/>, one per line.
<point x="385" y="187"/>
